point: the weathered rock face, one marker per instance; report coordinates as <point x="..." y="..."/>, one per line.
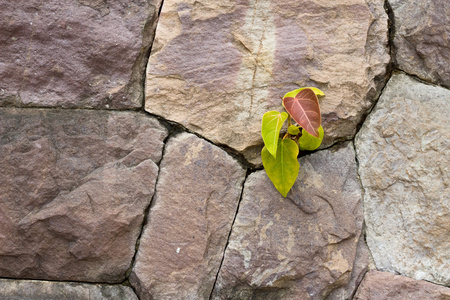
<point x="85" y="53"/>
<point x="216" y="67"/>
<point x="44" y="290"/>
<point x="81" y="163"/>
<point x="73" y="189"/>
<point x="404" y="154"/>
<point x="299" y="247"/>
<point x="422" y="35"/>
<point x="383" y="285"/>
<point x="195" y="203"/>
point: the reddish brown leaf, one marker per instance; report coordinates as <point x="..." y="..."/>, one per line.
<point x="305" y="110"/>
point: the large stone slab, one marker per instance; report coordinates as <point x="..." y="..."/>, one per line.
<point x="47" y="290"/>
<point x="73" y="189"/>
<point x="422" y="34"/>
<point x="384" y="285"/>
<point x="195" y="203"/>
<point x="217" y="67"/>
<point x="404" y="163"/>
<point x="299" y="247"/>
<point x="85" y="53"/>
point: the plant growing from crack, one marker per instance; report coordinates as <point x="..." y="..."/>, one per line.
<point x="279" y="155"/>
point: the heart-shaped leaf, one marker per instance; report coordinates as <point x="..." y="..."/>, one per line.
<point x="304" y="109"/>
<point x="309" y="142"/>
<point x="272" y="122"/>
<point x="283" y="169"/>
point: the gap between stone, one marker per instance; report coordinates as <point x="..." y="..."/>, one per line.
<point x="169" y="135"/>
<point x="149" y="51"/>
<point x="238" y="156"/>
<point x="147" y="210"/>
<point x="389" y="68"/>
<point x="229" y="234"/>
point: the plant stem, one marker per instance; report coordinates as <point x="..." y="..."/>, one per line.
<point x="289" y="124"/>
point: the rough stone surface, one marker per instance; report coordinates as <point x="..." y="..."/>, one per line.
<point x="78" y="174"/>
<point x="404" y="155"/>
<point x="195" y="203"/>
<point x="422" y="38"/>
<point x="45" y="290"/>
<point x="216" y="67"/>
<point x="384" y="285"/>
<point x="299" y="247"/>
<point x="85" y="53"/>
<point x="73" y="189"/>
<point x="360" y="268"/>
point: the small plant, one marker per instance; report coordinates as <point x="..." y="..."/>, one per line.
<point x="279" y="155"/>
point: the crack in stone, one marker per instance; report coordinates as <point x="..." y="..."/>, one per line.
<point x="359" y="284"/>
<point x="147" y="210"/>
<point x="229" y="234"/>
<point x="237" y="155"/>
<point x="417" y="78"/>
<point x="151" y="21"/>
<point x="391" y="31"/>
<point x="142" y="85"/>
<point x="390" y="68"/>
<point x="363" y="230"/>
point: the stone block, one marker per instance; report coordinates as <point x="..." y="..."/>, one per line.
<point x="73" y="189"/>
<point x="196" y="198"/>
<point x="69" y="53"/>
<point x="299" y="247"/>
<point x="217" y="67"/>
<point x="404" y="163"/>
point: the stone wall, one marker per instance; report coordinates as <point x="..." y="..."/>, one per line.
<point x="130" y="150"/>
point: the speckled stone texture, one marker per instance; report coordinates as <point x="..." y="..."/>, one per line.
<point x="69" y="53"/>
<point x="404" y="163"/>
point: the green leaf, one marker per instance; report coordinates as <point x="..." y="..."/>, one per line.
<point x="283" y="169"/>
<point x="293" y="130"/>
<point x="272" y="122"/>
<point x="295" y="92"/>
<point x="310" y="142"/>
